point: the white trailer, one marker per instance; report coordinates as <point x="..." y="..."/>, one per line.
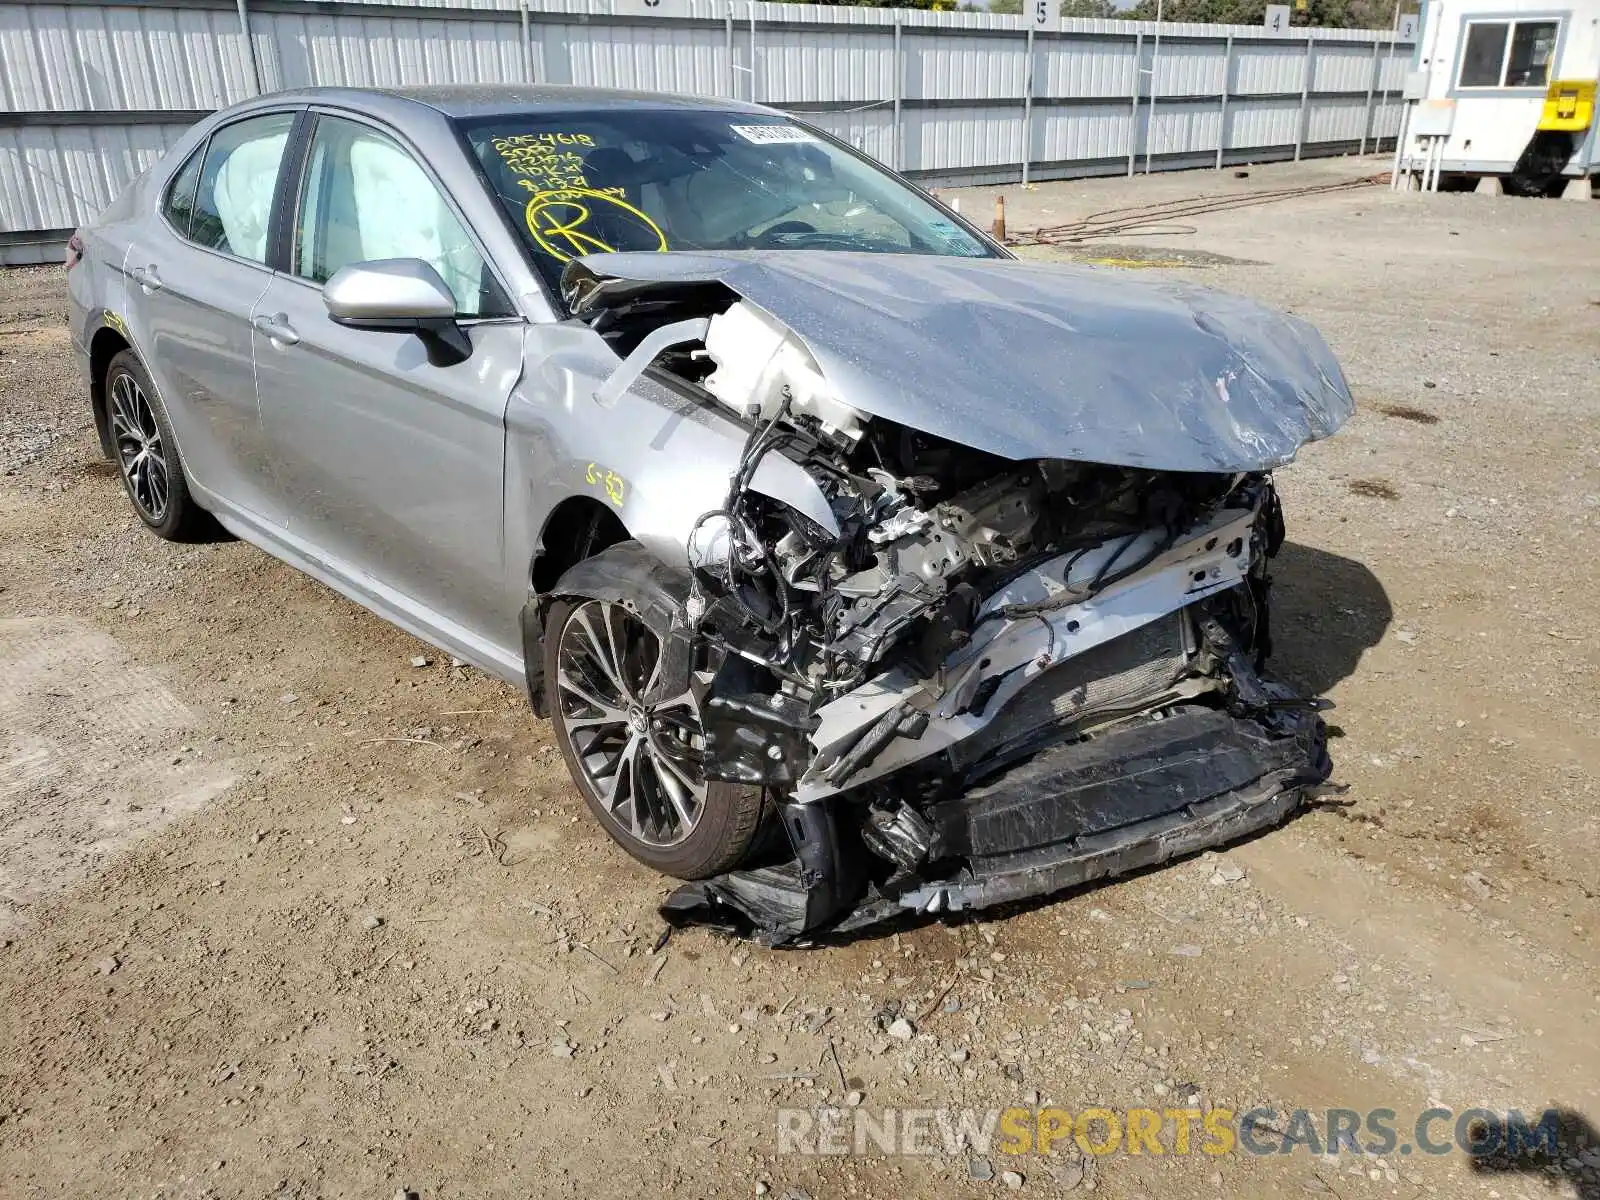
<point x="1503" y="89"/>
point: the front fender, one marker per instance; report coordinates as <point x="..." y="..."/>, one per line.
<point x="664" y="461"/>
<point x="660" y="458"/>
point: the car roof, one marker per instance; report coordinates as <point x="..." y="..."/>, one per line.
<point x="510" y="99"/>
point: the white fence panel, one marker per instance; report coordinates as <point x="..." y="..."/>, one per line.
<point x="1087" y="67"/>
<point x="1341" y="68"/>
<point x="1190" y="68"/>
<point x="1257" y="124"/>
<point x="1273" y="68"/>
<point x="795" y="66"/>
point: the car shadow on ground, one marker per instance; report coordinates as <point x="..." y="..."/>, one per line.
<point x="1327" y="611"/>
<point x="1573" y="1160"/>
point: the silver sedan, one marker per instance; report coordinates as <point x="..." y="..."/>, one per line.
<point x="862" y="569"/>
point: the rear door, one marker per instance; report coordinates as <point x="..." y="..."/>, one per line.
<point x="195" y="272"/>
<point x="390" y="467"/>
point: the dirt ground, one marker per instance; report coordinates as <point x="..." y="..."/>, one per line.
<point x="283" y="915"/>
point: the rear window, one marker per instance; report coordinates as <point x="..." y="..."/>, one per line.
<point x="178" y="204"/>
<point x="233" y="206"/>
<point x="591" y="182"/>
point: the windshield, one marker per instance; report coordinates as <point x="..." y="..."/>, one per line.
<point x="694" y="179"/>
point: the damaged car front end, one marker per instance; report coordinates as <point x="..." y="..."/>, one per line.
<point x="1004" y="629"/>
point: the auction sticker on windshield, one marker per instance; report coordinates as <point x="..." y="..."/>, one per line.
<point x="773" y="135"/>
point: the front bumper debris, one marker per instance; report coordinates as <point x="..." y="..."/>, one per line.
<point x="1141" y="795"/>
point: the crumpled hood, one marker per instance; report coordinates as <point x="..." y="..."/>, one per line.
<point x="1036" y="360"/>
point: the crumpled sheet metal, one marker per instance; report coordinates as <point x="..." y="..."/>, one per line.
<point x="1037" y="360"/>
<point x="1135" y="798"/>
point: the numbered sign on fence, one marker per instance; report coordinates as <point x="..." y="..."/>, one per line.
<point x="1277" y="20"/>
<point x="1043" y="14"/>
<point x="652" y="8"/>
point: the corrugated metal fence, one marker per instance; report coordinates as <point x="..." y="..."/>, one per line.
<point x="92" y="91"/>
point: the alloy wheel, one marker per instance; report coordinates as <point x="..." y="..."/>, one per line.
<point x="641" y="755"/>
<point x="141" y="450"/>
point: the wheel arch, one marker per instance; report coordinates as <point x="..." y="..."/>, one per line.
<point x="106" y="344"/>
<point x="577" y="530"/>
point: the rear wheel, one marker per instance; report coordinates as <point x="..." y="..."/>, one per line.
<point x="147" y="454"/>
<point x="636" y="754"/>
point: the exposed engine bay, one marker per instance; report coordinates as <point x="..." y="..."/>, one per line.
<point x="987" y="677"/>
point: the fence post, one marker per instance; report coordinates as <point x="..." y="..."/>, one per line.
<point x="1383" y="96"/>
<point x="1150" y="112"/>
<point x="249" y="47"/>
<point x="1372" y="83"/>
<point x="727" y="22"/>
<point x="1222" y="113"/>
<point x="527" y="44"/>
<point x="899" y="91"/>
<point x="1133" y="113"/>
<point x="1027" y="108"/>
<point x="1305" y="95"/>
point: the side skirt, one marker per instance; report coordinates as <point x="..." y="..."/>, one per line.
<point x="417" y="619"/>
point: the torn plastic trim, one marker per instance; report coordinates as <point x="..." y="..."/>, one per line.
<point x="1215" y="556"/>
<point x="779" y="904"/>
<point x="1214" y="822"/>
<point x="1019" y="359"/>
<point x="1182" y="783"/>
<point x="650" y="348"/>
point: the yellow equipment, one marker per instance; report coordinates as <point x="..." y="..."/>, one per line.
<point x="1568" y="106"/>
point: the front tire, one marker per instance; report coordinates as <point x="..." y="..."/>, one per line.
<point x="146" y="453"/>
<point x="634" y="754"/>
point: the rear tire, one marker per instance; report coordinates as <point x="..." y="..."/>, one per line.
<point x="636" y="760"/>
<point x="147" y="455"/>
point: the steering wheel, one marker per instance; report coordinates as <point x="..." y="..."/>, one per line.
<point x="766" y="238"/>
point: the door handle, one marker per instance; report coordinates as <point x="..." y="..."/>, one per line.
<point x="276" y="328"/>
<point x="147" y="278"/>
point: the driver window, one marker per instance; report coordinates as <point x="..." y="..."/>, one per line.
<point x="366" y="198"/>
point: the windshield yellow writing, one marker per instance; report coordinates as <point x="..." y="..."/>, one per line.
<point x="568" y="214"/>
<point x="542" y="164"/>
<point x="560" y="223"/>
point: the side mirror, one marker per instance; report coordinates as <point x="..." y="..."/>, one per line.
<point x="402" y="295"/>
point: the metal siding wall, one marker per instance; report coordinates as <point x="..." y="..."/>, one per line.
<point x="1341" y="68"/>
<point x="1396" y="65"/>
<point x="659" y="59"/>
<point x="1253" y="123"/>
<point x="1090" y="133"/>
<point x="954" y="68"/>
<point x="961" y="83"/>
<point x="950" y="139"/>
<point x="55" y="58"/>
<point x="807" y="66"/>
<point x="1087" y="67"/>
<point x="1335" y="120"/>
<point x="869" y="130"/>
<point x="1386" y="119"/>
<point x="50" y="176"/>
<point x="1189" y="68"/>
<point x="1270" y="67"/>
<point x="362" y="51"/>
<point x="1185" y="127"/>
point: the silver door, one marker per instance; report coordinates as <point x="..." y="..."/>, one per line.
<point x="195" y="272"/>
<point x="391" y="467"/>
